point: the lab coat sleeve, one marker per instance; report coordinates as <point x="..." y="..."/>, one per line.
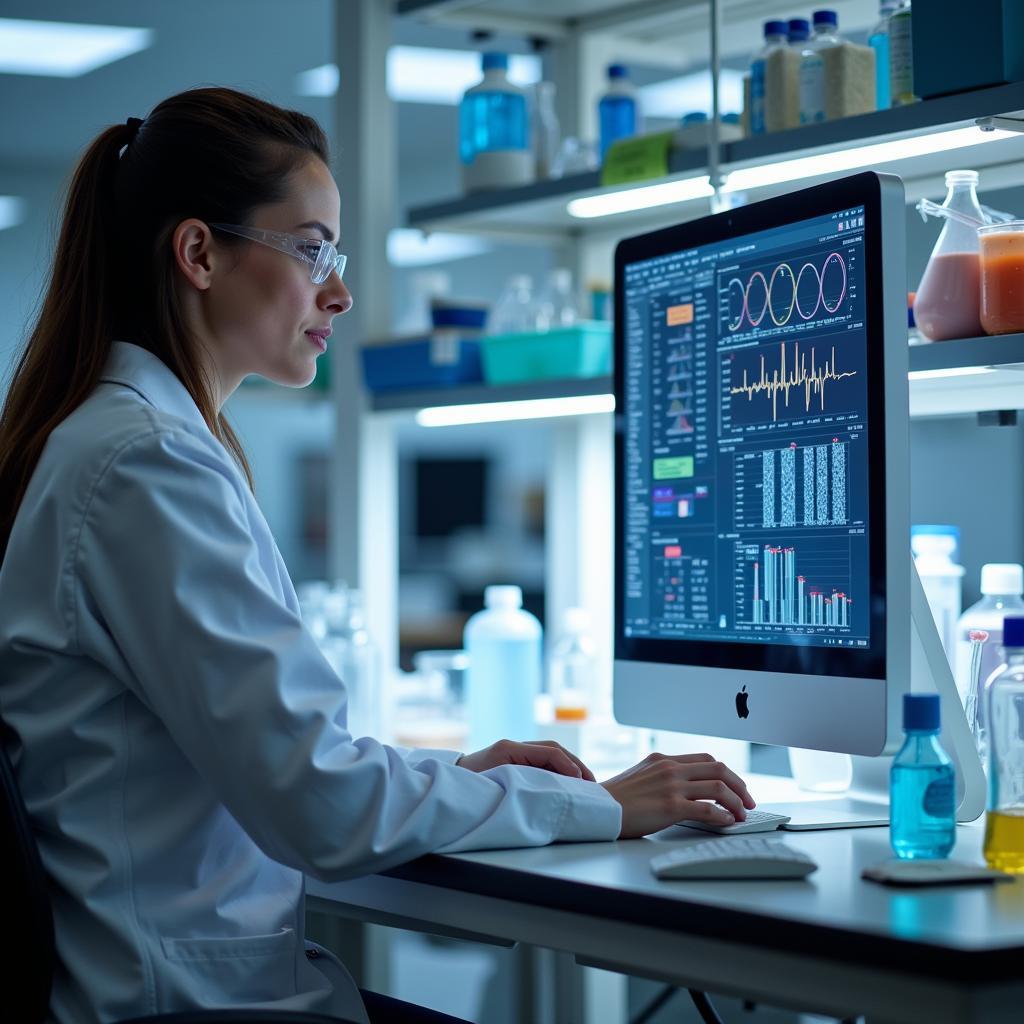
<point x="167" y="566"/>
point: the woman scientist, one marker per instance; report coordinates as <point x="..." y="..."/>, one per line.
<point x="179" y="741"/>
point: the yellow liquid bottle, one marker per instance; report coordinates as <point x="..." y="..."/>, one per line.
<point x="1004" y="840"/>
<point x="1004" y="824"/>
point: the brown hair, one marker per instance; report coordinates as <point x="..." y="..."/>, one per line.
<point x="214" y="154"/>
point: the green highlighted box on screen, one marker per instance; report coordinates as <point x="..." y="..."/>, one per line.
<point x="673" y="469"/>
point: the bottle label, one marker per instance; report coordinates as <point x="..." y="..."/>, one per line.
<point x="938" y="798"/>
<point x="812" y="90"/>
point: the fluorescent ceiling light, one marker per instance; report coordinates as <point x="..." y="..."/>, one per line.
<point x="677" y="96"/>
<point x="409" y="247"/>
<point x="423" y="74"/>
<point x="762" y="175"/>
<point x="952" y="371"/>
<point x="12" y="211"/>
<point x="532" y="409"/>
<point x="679" y="191"/>
<point x="65" y="49"/>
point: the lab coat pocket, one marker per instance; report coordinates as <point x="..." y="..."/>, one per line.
<point x="241" y="969"/>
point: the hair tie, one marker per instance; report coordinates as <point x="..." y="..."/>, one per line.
<point x="134" y="124"/>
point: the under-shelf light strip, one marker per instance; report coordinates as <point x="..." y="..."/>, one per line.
<point x="543" y="408"/>
<point x="531" y="409"/>
<point x="762" y="175"/>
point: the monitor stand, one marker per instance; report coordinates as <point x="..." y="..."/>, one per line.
<point x="866" y="802"/>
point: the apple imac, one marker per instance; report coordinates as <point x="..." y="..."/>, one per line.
<point x="763" y="584"/>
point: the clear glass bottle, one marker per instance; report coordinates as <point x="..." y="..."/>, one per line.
<point x="901" y="56"/>
<point x="617" y="109"/>
<point x="948" y="301"/>
<point x="547" y="133"/>
<point x="935" y="550"/>
<point x="353" y="655"/>
<point x="515" y="312"/>
<point x="922" y="791"/>
<point x="878" y="40"/>
<point x="1004" y="823"/>
<point x="812" y="66"/>
<point x="775" y="37"/>
<point x="572" y="668"/>
<point x="558" y="306"/>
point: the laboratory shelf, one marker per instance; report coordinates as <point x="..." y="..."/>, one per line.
<point x="540" y="209"/>
<point x="991" y="379"/>
<point x="479" y="394"/>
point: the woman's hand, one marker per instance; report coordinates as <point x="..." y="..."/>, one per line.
<point x="546" y="754"/>
<point x="662" y="790"/>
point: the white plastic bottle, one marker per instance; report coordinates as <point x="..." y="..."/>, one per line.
<point x="901" y="56"/>
<point x="547" y="133"/>
<point x="1002" y="585"/>
<point x="494" y="130"/>
<point x="935" y="549"/>
<point x="775" y="36"/>
<point x="515" y="312"/>
<point x="812" y="66"/>
<point x="503" y="643"/>
<point x="878" y="40"/>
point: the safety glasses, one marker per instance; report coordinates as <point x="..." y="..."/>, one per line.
<point x="318" y="252"/>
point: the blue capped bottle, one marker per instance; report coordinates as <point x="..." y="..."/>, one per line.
<point x="775" y="36"/>
<point x="922" y="792"/>
<point x="494" y="130"/>
<point x="616" y="110"/>
<point x="878" y="40"/>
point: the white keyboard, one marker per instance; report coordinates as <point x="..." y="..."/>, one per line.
<point x="733" y="857"/>
<point x="756" y="821"/>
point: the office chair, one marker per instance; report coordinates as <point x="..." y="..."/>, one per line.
<point x="30" y="915"/>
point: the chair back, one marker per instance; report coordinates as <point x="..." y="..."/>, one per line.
<point x="29" y="957"/>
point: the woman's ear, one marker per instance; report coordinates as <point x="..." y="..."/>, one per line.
<point x="193" y="252"/>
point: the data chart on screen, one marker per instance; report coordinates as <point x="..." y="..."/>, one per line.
<point x="746" y="459"/>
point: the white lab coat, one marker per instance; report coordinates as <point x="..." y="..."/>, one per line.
<point x="179" y="740"/>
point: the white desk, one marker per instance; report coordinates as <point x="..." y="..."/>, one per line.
<point x="832" y="943"/>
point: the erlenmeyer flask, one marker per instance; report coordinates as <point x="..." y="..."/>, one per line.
<point x="948" y="302"/>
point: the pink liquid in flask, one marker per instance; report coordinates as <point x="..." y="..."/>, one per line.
<point x="948" y="302"/>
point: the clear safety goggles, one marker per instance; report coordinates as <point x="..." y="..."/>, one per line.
<point x="318" y="252"/>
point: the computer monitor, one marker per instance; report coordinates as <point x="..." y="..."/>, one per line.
<point x="762" y="587"/>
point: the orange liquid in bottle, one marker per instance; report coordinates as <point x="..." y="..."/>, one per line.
<point x="1002" y="282"/>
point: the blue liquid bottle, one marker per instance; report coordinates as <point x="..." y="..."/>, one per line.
<point x="494" y="130"/>
<point x="616" y="110"/>
<point x="878" y="40"/>
<point x="922" y="792"/>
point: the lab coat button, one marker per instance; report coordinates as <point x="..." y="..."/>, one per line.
<point x="312" y="954"/>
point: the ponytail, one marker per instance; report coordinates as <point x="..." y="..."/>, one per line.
<point x="215" y="154"/>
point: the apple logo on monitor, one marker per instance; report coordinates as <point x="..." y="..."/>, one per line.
<point x="741" y="703"/>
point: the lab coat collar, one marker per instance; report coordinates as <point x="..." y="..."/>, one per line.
<point x="148" y="376"/>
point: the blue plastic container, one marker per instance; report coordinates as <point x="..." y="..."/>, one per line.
<point x="616" y="110"/>
<point x="422" y="363"/>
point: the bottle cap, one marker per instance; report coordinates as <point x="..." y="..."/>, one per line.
<point x="961" y="178"/>
<point x="1013" y="631"/>
<point x="695" y="117"/>
<point x="775" y="28"/>
<point x="826" y="18"/>
<point x="923" y="711"/>
<point x="561" y="278"/>
<point x="799" y="28"/>
<point x="618" y="71"/>
<point x="492" y="60"/>
<point x="1002" y="578"/>
<point x="503" y="597"/>
<point x="931" y="539"/>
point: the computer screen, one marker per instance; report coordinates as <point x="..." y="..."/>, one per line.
<point x="746" y="498"/>
<point x="761" y="464"/>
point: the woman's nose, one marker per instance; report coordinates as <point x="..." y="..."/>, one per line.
<point x="336" y="296"/>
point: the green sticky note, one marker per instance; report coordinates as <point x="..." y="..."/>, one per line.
<point x="636" y="159"/>
<point x="673" y="469"/>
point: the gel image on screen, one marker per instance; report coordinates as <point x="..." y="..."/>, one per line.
<point x="746" y="457"/>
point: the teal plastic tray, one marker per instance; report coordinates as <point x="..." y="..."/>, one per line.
<point x="584" y="350"/>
